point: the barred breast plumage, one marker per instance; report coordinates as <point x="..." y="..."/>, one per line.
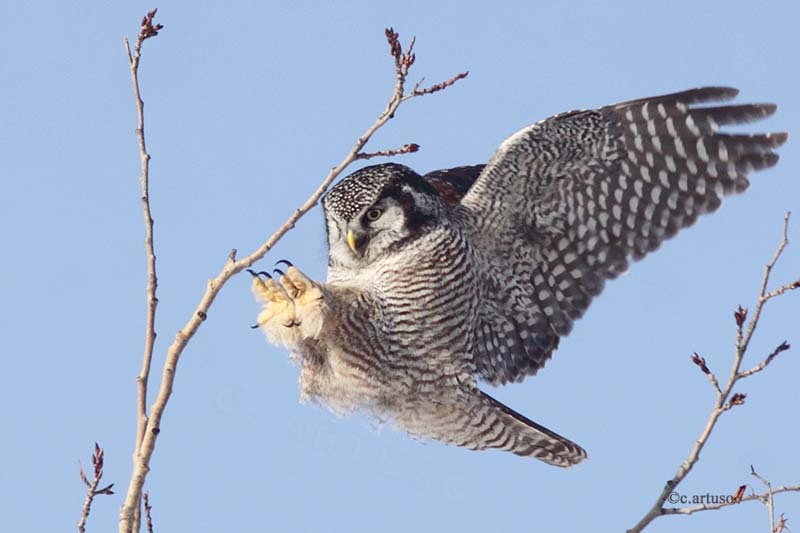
<point x="476" y="272"/>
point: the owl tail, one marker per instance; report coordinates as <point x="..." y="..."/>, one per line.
<point x="498" y="426"/>
<point x="479" y="422"/>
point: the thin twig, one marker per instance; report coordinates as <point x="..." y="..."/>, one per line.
<point x="720" y="505"/>
<point x="763" y="295"/>
<point x="781" y="525"/>
<point x="147" y="509"/>
<point x="782" y="347"/>
<point x="725" y="398"/>
<point x="405" y="149"/>
<point x="701" y="362"/>
<point x="769" y="501"/>
<point x="97" y="463"/>
<point x="403" y="62"/>
<point x="436" y="87"/>
<point x="146" y="31"/>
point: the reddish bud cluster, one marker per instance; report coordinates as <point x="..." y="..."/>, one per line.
<point x="148" y="29"/>
<point x="97" y="462"/>
<point x="740" y="316"/>
<point x="701" y="362"/>
<point x="402" y="61"/>
<point x="738" y="398"/>
<point x="739" y="494"/>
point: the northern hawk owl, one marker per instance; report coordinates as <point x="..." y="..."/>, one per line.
<point x="474" y="273"/>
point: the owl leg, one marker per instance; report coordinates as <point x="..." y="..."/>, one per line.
<point x="277" y="318"/>
<point x="310" y="301"/>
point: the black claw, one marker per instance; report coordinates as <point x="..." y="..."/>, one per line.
<point x="254" y="327"/>
<point x="257" y="274"/>
<point x="279" y="272"/>
<point x="285" y="262"/>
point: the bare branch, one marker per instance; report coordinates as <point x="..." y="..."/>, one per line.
<point x="714" y="506"/>
<point x="769" y="501"/>
<point x="782" y="347"/>
<point x="405" y="149"/>
<point x="146" y="31"/>
<point x="437" y="86"/>
<point x="780" y="290"/>
<point x="129" y="512"/>
<point x="726" y="399"/>
<point x="763" y="296"/>
<point x="93" y="490"/>
<point x="701" y="362"/>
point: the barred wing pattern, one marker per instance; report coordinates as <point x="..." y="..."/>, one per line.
<point x="565" y="204"/>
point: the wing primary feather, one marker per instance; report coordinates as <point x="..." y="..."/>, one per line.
<point x="571" y="201"/>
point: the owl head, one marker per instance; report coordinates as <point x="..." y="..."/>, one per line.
<point x="376" y="211"/>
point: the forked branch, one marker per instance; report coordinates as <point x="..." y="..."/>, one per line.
<point x="93" y="487"/>
<point x="146" y="31"/>
<point x="726" y="399"/>
<point x="151" y="426"/>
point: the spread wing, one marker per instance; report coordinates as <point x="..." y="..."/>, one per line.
<point x="567" y="203"/>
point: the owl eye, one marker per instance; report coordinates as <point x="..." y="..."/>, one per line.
<point x="374" y="214"/>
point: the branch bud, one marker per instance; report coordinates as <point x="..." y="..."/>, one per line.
<point x="738" y="398"/>
<point x="701" y="362"/>
<point x="739" y="494"/>
<point x="740" y="315"/>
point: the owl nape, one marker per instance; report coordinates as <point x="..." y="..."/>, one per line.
<point x="475" y="273"/>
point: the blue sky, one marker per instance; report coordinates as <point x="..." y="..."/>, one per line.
<point x="248" y="106"/>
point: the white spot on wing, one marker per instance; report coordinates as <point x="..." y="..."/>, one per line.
<point x="645" y="111"/>
<point x="683" y="183"/>
<point x="723" y="152"/>
<point x="663" y="177"/>
<point x="656" y="143"/>
<point x="671" y="127"/>
<point x="655" y="194"/>
<point x="691" y="125"/>
<point x="679" y="148"/>
<point x="701" y="150"/>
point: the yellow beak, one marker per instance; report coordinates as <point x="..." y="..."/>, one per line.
<point x="351" y="241"/>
